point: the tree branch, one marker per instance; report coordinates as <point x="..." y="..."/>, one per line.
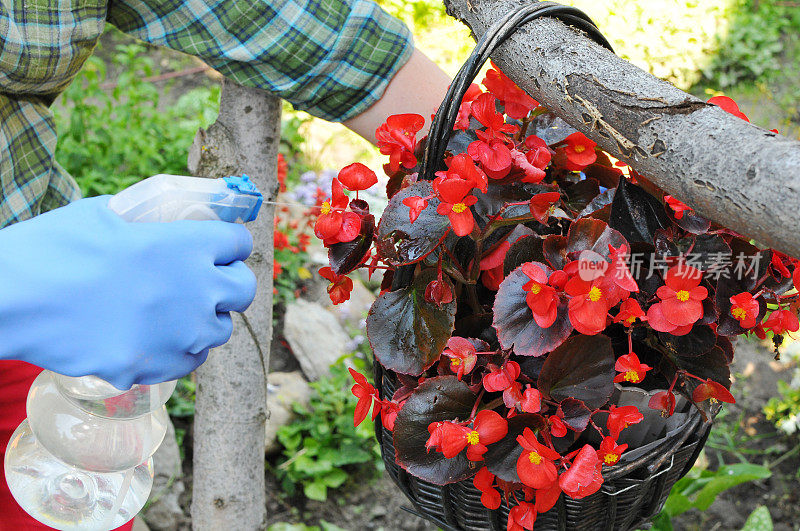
<point x="229" y="430"/>
<point x="732" y="172"/>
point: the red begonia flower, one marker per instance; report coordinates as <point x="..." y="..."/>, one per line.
<point x="492" y="265"/>
<point x="677" y="206"/>
<point x="455" y="202"/>
<point x="487" y="428"/>
<point x="462" y="355"/>
<point x="365" y="393"/>
<point x="533" y="174"/>
<point x="663" y="401"/>
<point x="584" y="477"/>
<point x="796" y="278"/>
<point x="531" y="400"/>
<point x="712" y="390"/>
<point x="438" y="292"/>
<point x="579" y="151"/>
<point x="516" y="102"/>
<point x="484" y="482"/>
<point x="610" y="452"/>
<point x="494" y="156"/>
<point x="620" y="418"/>
<point x="334" y="225"/>
<point x="453" y="438"/>
<point x="398" y="139"/>
<point x="778" y="263"/>
<point x="744" y="308"/>
<point x="500" y="379"/>
<point x="782" y="321"/>
<point x="521" y="517"/>
<point x="464" y="167"/>
<point x="282" y="171"/>
<point x="629" y="311"/>
<point x="541" y="298"/>
<point x="357" y="177"/>
<point x="465" y="110"/>
<point x="630" y="369"/>
<point x="682" y="296"/>
<point x="542" y="205"/>
<point x="557" y="426"/>
<point x="340" y="285"/>
<point x="435" y="433"/>
<point x="484" y="110"/>
<point x="415" y="206"/>
<point x="539" y="153"/>
<point x="588" y="305"/>
<point x="728" y="105"/>
<point x="535" y="465"/>
<point x="389" y="411"/>
<point x="618" y="272"/>
<point x="546" y="498"/>
<point x="657" y="321"/>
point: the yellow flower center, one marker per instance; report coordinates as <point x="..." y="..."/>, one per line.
<point x="455" y="362"/>
<point x="325" y="208"/>
<point x="580" y="148"/>
<point x="632" y="376"/>
<point x="536" y="288"/>
<point x="535" y="458"/>
<point x="610" y="459"/>
<point x="473" y="437"/>
<point x="630" y="319"/>
<point x="458" y="208"/>
<point x="682" y="295"/>
<point x="595" y="294"/>
<point x="739" y="313"/>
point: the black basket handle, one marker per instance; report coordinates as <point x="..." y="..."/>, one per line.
<point x="445" y="118"/>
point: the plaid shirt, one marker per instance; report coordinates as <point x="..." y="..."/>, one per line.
<point x="332" y="58"/>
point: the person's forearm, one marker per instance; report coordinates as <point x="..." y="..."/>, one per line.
<point x="418" y="87"/>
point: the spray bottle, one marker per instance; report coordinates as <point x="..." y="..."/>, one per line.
<point x="82" y="460"/>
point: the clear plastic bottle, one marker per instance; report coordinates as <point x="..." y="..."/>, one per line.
<point x="82" y="459"/>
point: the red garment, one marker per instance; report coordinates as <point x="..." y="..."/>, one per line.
<point x="16" y="378"/>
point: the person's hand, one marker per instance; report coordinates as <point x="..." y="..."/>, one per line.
<point x="84" y="292"/>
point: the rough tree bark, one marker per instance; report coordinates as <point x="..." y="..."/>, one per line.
<point x="731" y="172"/>
<point x="229" y="488"/>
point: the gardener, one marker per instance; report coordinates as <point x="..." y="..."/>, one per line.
<point x="81" y="291"/>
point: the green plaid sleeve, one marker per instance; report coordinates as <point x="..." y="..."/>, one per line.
<point x="332" y="58"/>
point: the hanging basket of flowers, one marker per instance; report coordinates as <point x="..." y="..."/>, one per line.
<point x="553" y="335"/>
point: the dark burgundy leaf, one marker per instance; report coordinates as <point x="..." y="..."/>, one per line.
<point x="345" y="257"/>
<point x="531" y="366"/>
<point x="526" y="249"/>
<point x="514" y="322"/>
<point x="582" y="368"/>
<point x="490" y="203"/>
<point x="554" y="249"/>
<point x="600" y="203"/>
<point x="591" y="234"/>
<point x="402" y="242"/>
<point x="581" y="193"/>
<point x="700" y="340"/>
<point x="407" y="333"/>
<point x="360" y="207"/>
<point x="501" y="459"/>
<point x="550" y="128"/>
<point x="604" y="171"/>
<point x="713" y="364"/>
<point x="576" y="414"/>
<point x="636" y="214"/>
<point x="435" y="400"/>
<point x="690" y="221"/>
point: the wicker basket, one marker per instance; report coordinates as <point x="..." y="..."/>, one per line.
<point x="633" y="492"/>
<point x="631" y="495"/>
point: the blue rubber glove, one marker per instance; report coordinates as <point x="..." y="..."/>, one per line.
<point x="84" y="292"/>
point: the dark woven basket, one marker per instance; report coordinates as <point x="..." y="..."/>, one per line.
<point x="631" y="495"/>
<point x="632" y="492"/>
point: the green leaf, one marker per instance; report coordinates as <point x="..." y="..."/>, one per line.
<point x="334" y="478"/>
<point x="316" y="490"/>
<point x="759" y="520"/>
<point x="407" y="333"/>
<point x="726" y="477"/>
